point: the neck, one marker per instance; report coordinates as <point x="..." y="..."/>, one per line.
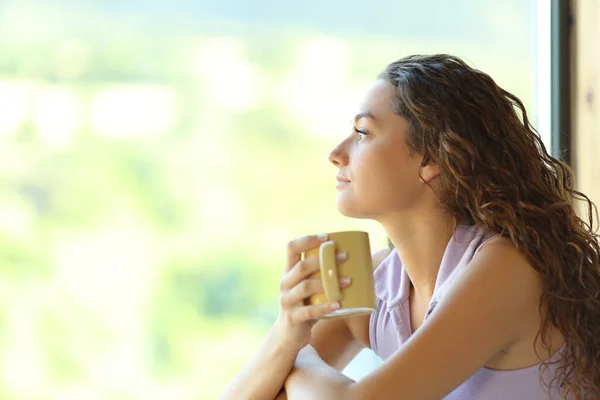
<point x="420" y="241"/>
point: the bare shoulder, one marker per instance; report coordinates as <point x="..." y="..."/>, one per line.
<point x="485" y="310"/>
<point x="501" y="243"/>
<point x="500" y="258"/>
<point x="499" y="266"/>
<point x="502" y="254"/>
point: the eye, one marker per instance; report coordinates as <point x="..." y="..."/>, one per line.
<point x="361" y="134"/>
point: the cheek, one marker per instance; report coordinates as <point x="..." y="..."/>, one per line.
<point x="381" y="166"/>
<point x="387" y="175"/>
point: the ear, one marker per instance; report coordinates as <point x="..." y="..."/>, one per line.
<point x="429" y="172"/>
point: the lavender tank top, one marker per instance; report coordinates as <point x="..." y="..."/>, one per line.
<point x="390" y="323"/>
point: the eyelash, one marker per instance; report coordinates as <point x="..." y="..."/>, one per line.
<point x="359" y="132"/>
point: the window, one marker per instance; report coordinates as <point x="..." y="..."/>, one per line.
<point x="157" y="157"/>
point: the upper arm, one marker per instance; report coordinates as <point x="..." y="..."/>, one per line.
<point x="338" y="341"/>
<point x="480" y="314"/>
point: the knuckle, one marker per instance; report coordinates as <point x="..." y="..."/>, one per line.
<point x="282" y="284"/>
<point x="282" y="300"/>
<point x="309" y="267"/>
<point x="305" y="286"/>
<point x="303" y="267"/>
<point x="309" y="313"/>
<point x="291" y="246"/>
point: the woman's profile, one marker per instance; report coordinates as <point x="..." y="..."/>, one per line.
<point x="491" y="286"/>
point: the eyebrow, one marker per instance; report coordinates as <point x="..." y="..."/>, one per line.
<point x="363" y="115"/>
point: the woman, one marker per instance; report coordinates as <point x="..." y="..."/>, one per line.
<point x="492" y="290"/>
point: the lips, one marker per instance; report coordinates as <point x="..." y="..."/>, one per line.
<point x="342" y="178"/>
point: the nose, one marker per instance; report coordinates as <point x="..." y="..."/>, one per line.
<point x="339" y="156"/>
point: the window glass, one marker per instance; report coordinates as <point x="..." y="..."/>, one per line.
<point x="156" y="157"/>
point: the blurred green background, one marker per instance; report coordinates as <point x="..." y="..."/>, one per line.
<point x="156" y="157"/>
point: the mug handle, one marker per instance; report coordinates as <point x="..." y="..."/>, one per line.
<point x="329" y="275"/>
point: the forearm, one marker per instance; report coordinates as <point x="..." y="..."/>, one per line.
<point x="282" y="395"/>
<point x="262" y="378"/>
<point x="312" y="378"/>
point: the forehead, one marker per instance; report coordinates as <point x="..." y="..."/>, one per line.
<point x="378" y="99"/>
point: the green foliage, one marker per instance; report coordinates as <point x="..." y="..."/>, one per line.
<point x="147" y="261"/>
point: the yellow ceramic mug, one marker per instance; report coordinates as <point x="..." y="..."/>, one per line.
<point x="359" y="297"/>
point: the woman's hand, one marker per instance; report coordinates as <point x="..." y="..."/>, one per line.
<point x="296" y="315"/>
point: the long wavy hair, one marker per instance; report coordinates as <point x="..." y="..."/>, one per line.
<point x="496" y="172"/>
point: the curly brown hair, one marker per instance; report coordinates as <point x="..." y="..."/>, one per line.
<point x="496" y="172"/>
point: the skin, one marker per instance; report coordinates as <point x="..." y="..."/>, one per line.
<point x="383" y="180"/>
<point x="388" y="184"/>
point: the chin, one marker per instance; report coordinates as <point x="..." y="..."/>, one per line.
<point x="350" y="210"/>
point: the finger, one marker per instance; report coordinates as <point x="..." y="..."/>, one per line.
<point x="297" y="247"/>
<point x="308" y="313"/>
<point x="300" y="292"/>
<point x="304" y="269"/>
<point x="307" y="288"/>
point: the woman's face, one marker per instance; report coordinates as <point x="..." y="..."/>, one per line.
<point x="377" y="173"/>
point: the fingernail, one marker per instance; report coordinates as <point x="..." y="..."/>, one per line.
<point x="323" y="237"/>
<point x="335" y="305"/>
<point x="342" y="255"/>
<point x="345" y="280"/>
